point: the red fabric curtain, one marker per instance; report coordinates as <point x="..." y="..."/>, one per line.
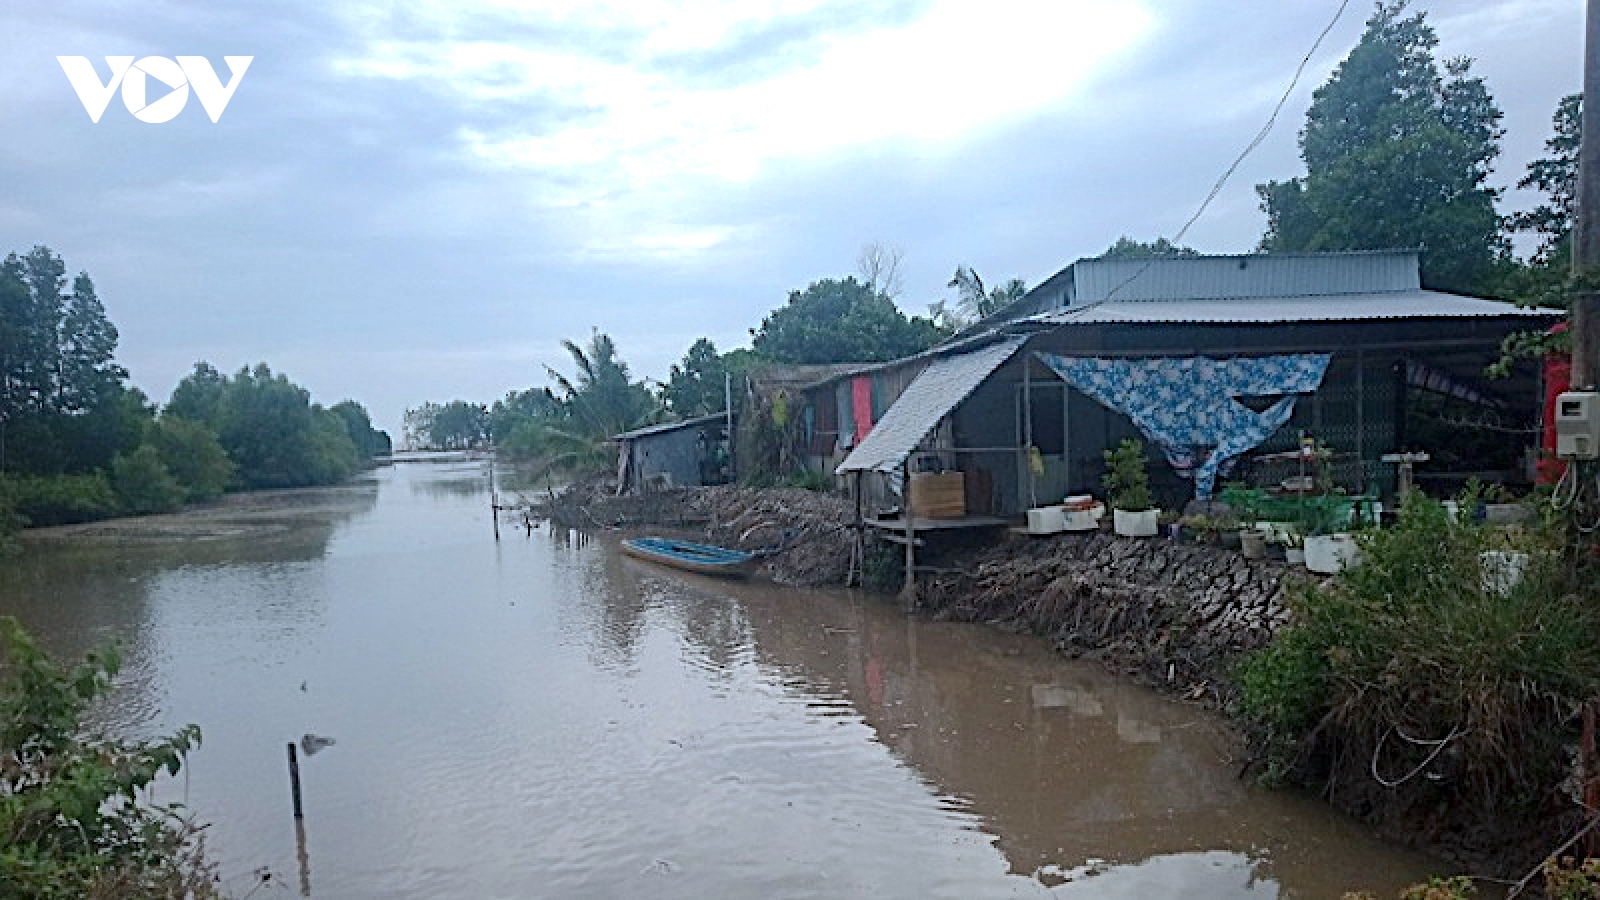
<point x="861" y="405"/>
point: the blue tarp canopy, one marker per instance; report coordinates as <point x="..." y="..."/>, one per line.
<point x="1190" y="406"/>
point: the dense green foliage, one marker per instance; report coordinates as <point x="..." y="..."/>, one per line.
<point x="72" y="822"/>
<point x="1397" y="154"/>
<point x="1428" y="640"/>
<point x="63" y="404"/>
<point x="568" y="427"/>
<point x="695" y="386"/>
<point x="457" y="425"/>
<point x="271" y="431"/>
<point x="1128" y="248"/>
<point x="191" y="452"/>
<point x="836" y="320"/>
<point x="77" y="443"/>
<point x="59" y="499"/>
<point x="517" y="410"/>
<point x="369" y="442"/>
<point x="1557" y="176"/>
<point x="1546" y="277"/>
<point x="143" y="483"/>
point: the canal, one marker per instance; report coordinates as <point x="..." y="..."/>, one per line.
<point x="544" y="717"/>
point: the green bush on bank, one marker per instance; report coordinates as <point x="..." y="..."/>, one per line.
<point x="60" y="499"/>
<point x="1418" y="667"/>
<point x="71" y="821"/>
<point x="191" y="452"/>
<point x="143" y="483"/>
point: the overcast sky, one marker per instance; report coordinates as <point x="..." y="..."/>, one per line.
<point x="419" y="201"/>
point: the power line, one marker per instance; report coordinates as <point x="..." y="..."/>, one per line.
<point x="1249" y="148"/>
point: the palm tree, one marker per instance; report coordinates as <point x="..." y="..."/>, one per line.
<point x="977" y="301"/>
<point x="601" y="399"/>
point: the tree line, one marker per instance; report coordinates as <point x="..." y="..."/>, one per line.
<point x="77" y="442"/>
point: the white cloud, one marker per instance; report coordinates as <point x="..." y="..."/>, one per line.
<point x="649" y="136"/>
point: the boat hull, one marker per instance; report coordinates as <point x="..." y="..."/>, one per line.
<point x="703" y="559"/>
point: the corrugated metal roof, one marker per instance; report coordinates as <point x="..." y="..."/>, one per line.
<point x="1413" y="304"/>
<point x="936" y="391"/>
<point x="1247" y="275"/>
<point x="665" y="427"/>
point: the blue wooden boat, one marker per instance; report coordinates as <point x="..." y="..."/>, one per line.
<point x="705" y="559"/>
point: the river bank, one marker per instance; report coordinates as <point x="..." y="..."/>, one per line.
<point x="807" y="532"/>
<point x="1174" y="615"/>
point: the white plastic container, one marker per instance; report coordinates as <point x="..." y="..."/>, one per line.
<point x="1135" y="524"/>
<point x="1326" y="554"/>
<point x="1085" y="519"/>
<point x="1502" y="571"/>
<point x="1046" y="520"/>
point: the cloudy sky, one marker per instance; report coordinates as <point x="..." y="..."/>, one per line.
<point x="419" y="201"/>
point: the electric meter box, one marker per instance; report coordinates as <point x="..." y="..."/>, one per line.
<point x="1578" y="425"/>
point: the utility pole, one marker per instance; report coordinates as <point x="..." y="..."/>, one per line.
<point x="1585" y="319"/>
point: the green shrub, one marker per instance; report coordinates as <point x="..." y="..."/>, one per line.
<point x="191" y="452"/>
<point x="1415" y="645"/>
<point x="71" y="822"/>
<point x="11" y="522"/>
<point x="143" y="484"/>
<point x="60" y="499"/>
<point x="1126" y="480"/>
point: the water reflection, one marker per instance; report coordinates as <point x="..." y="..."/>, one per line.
<point x="247" y="558"/>
<point x="1078" y="777"/>
<point x="453" y="480"/>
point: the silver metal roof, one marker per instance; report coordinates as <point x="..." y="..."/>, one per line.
<point x="665" y="427"/>
<point x="1247" y="275"/>
<point x="930" y="397"/>
<point x="1261" y="310"/>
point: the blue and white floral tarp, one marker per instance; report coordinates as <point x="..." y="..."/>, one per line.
<point x="1189" y="406"/>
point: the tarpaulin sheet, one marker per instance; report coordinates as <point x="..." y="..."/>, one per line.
<point x="1190" y="406"/>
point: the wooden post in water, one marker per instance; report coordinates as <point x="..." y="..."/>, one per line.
<point x="494" y="500"/>
<point x="727" y="409"/>
<point x="302" y="856"/>
<point x="909" y="592"/>
<point x="858" y="549"/>
<point x="294" y="781"/>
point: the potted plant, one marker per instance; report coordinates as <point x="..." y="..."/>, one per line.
<point x="1199" y="528"/>
<point x="1245" y="502"/>
<point x="1134" y="512"/>
<point x="1501" y="507"/>
<point x="1294" y="547"/>
<point x="1329" y="545"/>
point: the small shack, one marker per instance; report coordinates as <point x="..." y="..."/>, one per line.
<point x="674" y="454"/>
<point x="1215" y="362"/>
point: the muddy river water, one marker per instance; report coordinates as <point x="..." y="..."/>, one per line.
<point x="543" y="717"/>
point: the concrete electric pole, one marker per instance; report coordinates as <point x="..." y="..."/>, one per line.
<point x="1586" y="229"/>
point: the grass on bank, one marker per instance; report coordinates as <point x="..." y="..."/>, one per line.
<point x="1425" y="671"/>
